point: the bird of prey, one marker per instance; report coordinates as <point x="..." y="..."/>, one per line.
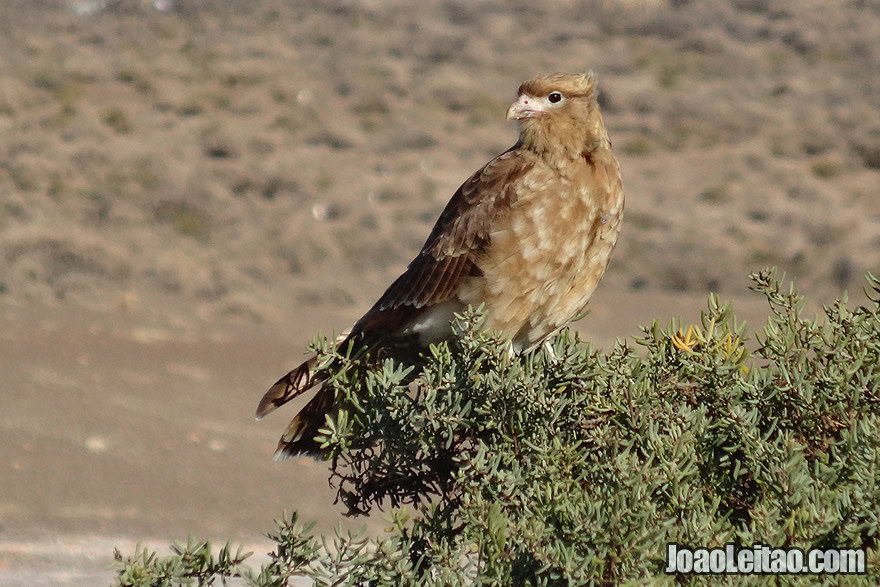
<point x="529" y="236"/>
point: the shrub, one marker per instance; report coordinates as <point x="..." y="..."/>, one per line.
<point x="579" y="466"/>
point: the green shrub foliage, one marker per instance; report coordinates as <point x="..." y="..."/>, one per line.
<point x="578" y="466"/>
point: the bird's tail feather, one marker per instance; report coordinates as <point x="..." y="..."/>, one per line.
<point x="299" y="381"/>
<point x="295" y="383"/>
<point x="299" y="438"/>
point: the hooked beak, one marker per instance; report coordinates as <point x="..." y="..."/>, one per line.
<point x="524" y="107"/>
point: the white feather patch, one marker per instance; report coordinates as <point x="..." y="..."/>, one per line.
<point x="433" y="325"/>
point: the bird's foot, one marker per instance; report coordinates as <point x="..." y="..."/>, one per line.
<point x="550" y="353"/>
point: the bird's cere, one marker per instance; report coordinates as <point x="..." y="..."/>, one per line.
<point x="525" y="107"/>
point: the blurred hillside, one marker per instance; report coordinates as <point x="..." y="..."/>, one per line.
<point x="257" y="159"/>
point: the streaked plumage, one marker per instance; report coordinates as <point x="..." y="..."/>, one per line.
<point x="529" y="235"/>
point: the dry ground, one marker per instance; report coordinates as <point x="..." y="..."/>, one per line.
<point x="187" y="197"/>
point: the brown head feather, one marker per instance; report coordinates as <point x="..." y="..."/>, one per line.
<point x="573" y="85"/>
<point x="566" y="131"/>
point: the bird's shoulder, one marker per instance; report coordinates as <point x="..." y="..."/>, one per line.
<point x="460" y="235"/>
<point x="465" y="223"/>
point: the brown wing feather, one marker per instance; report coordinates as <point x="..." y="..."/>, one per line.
<point x="452" y="250"/>
<point x="450" y="255"/>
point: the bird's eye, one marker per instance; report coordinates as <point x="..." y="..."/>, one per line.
<point x="554" y="97"/>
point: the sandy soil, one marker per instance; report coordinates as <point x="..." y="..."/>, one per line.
<point x="186" y="198"/>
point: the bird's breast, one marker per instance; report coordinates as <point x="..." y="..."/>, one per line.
<point x="548" y="252"/>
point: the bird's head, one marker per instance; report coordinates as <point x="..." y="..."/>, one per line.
<point x="558" y="115"/>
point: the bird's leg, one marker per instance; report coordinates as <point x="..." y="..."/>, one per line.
<point x="550" y="353"/>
